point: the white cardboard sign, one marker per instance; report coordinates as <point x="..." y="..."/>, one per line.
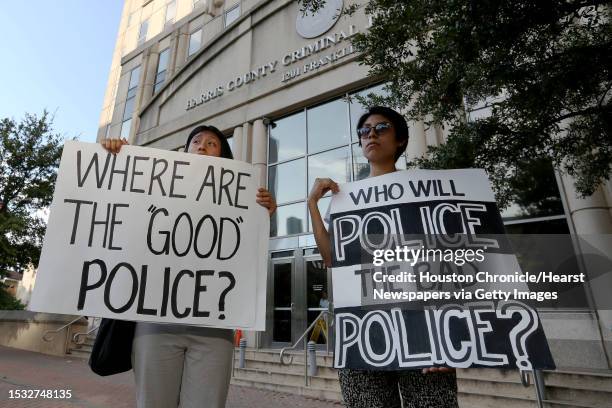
<point x="154" y="235"/>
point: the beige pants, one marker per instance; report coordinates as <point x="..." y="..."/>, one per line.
<point x="181" y="366"/>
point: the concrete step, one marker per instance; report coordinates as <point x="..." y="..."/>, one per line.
<point x="495" y="388"/>
<point x="89" y="341"/>
<point x="280" y="378"/>
<point x="492" y="388"/>
<point x="79" y="353"/>
<point x="600" y="382"/>
<point x="294" y="369"/>
<point x="296" y="357"/>
<point x="468" y="400"/>
<point x="488" y="401"/>
<point x="311" y="392"/>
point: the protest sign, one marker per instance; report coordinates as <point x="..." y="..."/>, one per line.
<point x="414" y="261"/>
<point x="154" y="235"/>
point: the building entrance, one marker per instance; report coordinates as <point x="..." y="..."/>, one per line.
<point x="299" y="288"/>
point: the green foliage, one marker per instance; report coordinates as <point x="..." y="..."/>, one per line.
<point x="29" y="158"/>
<point x="541" y="68"/>
<point x="8" y="301"/>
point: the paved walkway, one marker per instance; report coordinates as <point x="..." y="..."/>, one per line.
<point x="24" y="370"/>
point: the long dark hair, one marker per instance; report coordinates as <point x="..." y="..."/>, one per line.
<point x="226" y="151"/>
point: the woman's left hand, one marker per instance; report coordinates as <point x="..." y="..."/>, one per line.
<point x="265" y="199"/>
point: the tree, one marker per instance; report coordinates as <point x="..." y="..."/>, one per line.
<point x="542" y="69"/>
<point x="29" y="157"/>
<point x="8" y="301"/>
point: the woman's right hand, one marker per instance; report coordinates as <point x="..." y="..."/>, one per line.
<point x="320" y="187"/>
<point x="113" y="145"/>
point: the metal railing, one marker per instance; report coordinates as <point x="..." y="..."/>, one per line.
<point x="325" y="314"/>
<point x="77" y="336"/>
<point x="538" y="382"/>
<point x="48" y="335"/>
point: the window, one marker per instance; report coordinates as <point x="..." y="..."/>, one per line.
<point x="232" y="15"/>
<point x="131" y="18"/>
<point x="162" y="66"/>
<point x="170" y="13"/>
<point x="328" y="126"/>
<point x="314" y="142"/>
<point x="142" y="34"/>
<point x="128" y="111"/>
<point x="195" y="42"/>
<point x="134" y="79"/>
<point x="283" y="147"/>
<point x="197" y="3"/>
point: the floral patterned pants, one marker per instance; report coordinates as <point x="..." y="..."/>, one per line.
<point x="383" y="389"/>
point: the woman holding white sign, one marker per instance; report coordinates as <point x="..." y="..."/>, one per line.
<point x="180" y="365"/>
<point x="383" y="137"/>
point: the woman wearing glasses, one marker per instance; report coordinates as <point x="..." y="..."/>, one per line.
<point x="383" y="137"/>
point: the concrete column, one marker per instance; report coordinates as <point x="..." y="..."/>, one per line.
<point x="182" y="46"/>
<point x="215" y="7"/>
<point x="174" y="42"/>
<point x="592" y="220"/>
<point x="441" y="134"/>
<point x="260" y="149"/>
<point x="608" y="193"/>
<point x="255" y="147"/>
<point x="417" y="145"/>
<point x="431" y="135"/>
<point x="148" y="72"/>
<point x="247" y="142"/>
<point x="238" y="143"/>
<point x="142" y="96"/>
<point x="590" y="215"/>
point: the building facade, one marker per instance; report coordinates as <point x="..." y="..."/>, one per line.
<point x="281" y="86"/>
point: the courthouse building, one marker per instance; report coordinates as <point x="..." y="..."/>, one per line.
<point x="280" y="86"/>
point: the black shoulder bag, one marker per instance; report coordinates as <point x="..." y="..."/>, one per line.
<point x="112" y="349"/>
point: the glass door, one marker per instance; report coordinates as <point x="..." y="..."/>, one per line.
<point x="317" y="297"/>
<point x="281" y="303"/>
<point x="298" y="291"/>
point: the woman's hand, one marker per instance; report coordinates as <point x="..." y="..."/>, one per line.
<point x="113" y="145"/>
<point x="320" y="187"/>
<point x="438" y="370"/>
<point x="265" y="199"/>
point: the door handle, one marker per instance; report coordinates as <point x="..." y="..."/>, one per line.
<point x="292" y="304"/>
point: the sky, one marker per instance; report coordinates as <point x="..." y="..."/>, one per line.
<point x="56" y="55"/>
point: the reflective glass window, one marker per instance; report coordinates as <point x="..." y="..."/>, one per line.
<point x="195" y="42"/>
<point x="232" y="15"/>
<point x="327" y="126"/>
<point x="162" y="66"/>
<point x="125" y="128"/>
<point x="288" y="219"/>
<point x="288" y="138"/>
<point x="142" y="34"/>
<point x="129" y="108"/>
<point x="334" y="164"/>
<point x="323" y="205"/>
<point x="133" y="84"/>
<point x="170" y="12"/>
<point x="287" y="181"/>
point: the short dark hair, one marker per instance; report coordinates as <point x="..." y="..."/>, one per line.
<point x="396" y="119"/>
<point x="226" y="151"/>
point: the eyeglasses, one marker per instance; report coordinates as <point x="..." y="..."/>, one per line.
<point x="379" y="130"/>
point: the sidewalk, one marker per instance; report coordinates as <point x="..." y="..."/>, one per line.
<point x="24" y="370"/>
